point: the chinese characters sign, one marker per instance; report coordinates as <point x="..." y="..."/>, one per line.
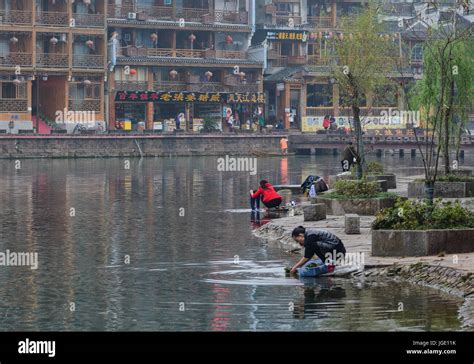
<point x="296" y="36"/>
<point x="205" y="97"/>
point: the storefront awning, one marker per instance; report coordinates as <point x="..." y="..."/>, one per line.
<point x="204" y="97"/>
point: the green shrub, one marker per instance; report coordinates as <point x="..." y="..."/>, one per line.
<point x="356" y="189"/>
<point x="455" y="178"/>
<point x="375" y="167"/>
<point x="418" y="215"/>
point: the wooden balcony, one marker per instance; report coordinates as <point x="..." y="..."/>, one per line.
<point x="284" y="20"/>
<point x="89" y="20"/>
<point x="207" y="87"/>
<point x="297" y="60"/>
<point x="245" y="87"/>
<point x="131" y="85"/>
<point x="52" y="60"/>
<point x="156" y="12"/>
<point x="320" y="21"/>
<point x="225" y="16"/>
<point x="231" y="54"/>
<point x="281" y="61"/>
<point x="16" y="59"/>
<point x="88" y="61"/>
<point x="16" y="17"/>
<point x="52" y="18"/>
<point x="176" y="86"/>
<point x="84" y="105"/>
<point x="13" y="105"/>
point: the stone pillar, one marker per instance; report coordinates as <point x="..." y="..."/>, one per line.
<point x="352" y="224"/>
<point x="314" y="212"/>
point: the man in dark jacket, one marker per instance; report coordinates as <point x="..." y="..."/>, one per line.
<point x="349" y="157"/>
<point x="321" y="243"/>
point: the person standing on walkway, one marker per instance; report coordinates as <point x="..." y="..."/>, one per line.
<point x="284" y="145"/>
<point x="261" y="122"/>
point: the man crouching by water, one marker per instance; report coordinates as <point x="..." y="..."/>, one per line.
<point x="321" y="243"/>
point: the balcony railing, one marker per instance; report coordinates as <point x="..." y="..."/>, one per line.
<point x="169" y="86"/>
<point x="89" y="20"/>
<point x="16" y="59"/>
<point x="17" y="17"/>
<point x="157" y="12"/>
<point x="231" y="54"/>
<point x="320" y="21"/>
<point x="225" y="16"/>
<point x="207" y="87"/>
<point x="281" y="61"/>
<point x="131" y="85"/>
<point x="88" y="61"/>
<point x="284" y="20"/>
<point x="13" y="105"/>
<point x="191" y="14"/>
<point x="161" y="52"/>
<point x="52" y="18"/>
<point x="245" y="87"/>
<point x="84" y="105"/>
<point x="299" y="60"/>
<point x="53" y="60"/>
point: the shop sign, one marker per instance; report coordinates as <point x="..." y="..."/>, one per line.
<point x="291" y="35"/>
<point x="153" y="96"/>
<point x="251" y="97"/>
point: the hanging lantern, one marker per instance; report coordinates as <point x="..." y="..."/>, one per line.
<point x="208" y="75"/>
<point x="330" y="35"/>
<point x="86" y="2"/>
<point x="133" y="71"/>
<point x="90" y="43"/>
<point x="114" y="35"/>
<point x="14" y="40"/>
<point x="341" y="36"/>
<point x="242" y="75"/>
<point x="87" y="82"/>
<point x="16" y="81"/>
<point x="173" y="74"/>
<point x="53" y="40"/>
<point x="154" y="37"/>
<point x="320" y="35"/>
<point x="228" y="39"/>
<point x="192" y="38"/>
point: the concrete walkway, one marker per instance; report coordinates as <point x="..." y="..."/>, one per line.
<point x="280" y="229"/>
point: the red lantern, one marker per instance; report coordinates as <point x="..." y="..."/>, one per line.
<point x="208" y="75"/>
<point x="192" y="38"/>
<point x="53" y="40"/>
<point x="90" y="43"/>
<point x="154" y="37"/>
<point x="133" y="71"/>
<point x="228" y="39"/>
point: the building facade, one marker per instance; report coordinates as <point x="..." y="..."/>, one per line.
<point x="185" y="59"/>
<point x="52" y="60"/>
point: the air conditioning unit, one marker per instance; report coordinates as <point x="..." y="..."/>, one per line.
<point x="132" y="16"/>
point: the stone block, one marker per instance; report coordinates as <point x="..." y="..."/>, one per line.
<point x="314" y="212"/>
<point x="352" y="224"/>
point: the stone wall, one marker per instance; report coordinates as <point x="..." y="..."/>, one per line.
<point x="162" y="145"/>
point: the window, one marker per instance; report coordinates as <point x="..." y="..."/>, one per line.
<point x="288" y="9"/>
<point x="8" y="90"/>
<point x="319" y="95"/>
<point x="417" y="53"/>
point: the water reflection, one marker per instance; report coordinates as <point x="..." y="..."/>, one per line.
<point x="177" y="222"/>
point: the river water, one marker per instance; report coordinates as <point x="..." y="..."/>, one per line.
<point x="167" y="245"/>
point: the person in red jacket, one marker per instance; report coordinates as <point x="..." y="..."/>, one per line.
<point x="267" y="193"/>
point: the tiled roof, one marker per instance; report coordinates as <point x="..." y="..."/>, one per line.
<point x="286" y="74"/>
<point x="139" y="59"/>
